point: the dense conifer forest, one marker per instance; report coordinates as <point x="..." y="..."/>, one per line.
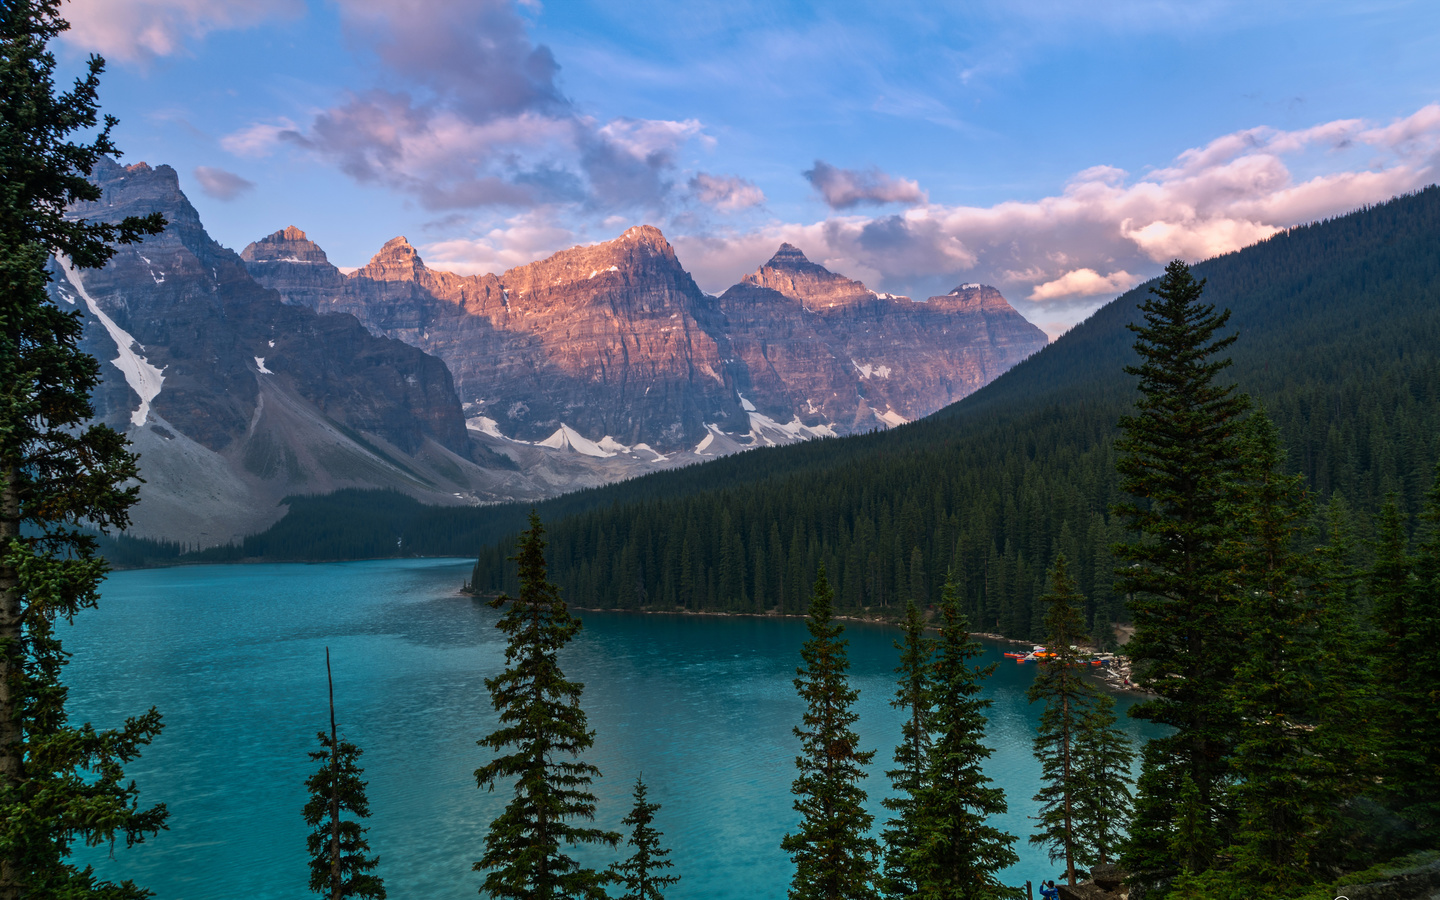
<point x="1337" y="322"/>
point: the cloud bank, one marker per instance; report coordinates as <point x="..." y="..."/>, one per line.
<point x="220" y="184"/>
<point x="139" y="30"/>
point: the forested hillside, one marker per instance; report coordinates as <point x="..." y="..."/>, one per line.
<point x="1339" y="323"/>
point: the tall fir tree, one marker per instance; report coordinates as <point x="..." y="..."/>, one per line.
<point x="1060" y="684"/>
<point x="913" y="696"/>
<point x="1102" y="801"/>
<point x="642" y="876"/>
<point x="957" y="854"/>
<point x="339" y="862"/>
<point x="59" y="784"/>
<point x="544" y="728"/>
<point x="1179" y="462"/>
<point x="834" y="855"/>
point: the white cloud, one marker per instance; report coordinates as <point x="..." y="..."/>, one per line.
<point x="136" y="30"/>
<point x="1084" y="283"/>
<point x="259" y="139"/>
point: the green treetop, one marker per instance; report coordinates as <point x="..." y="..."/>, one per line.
<point x="544" y="729"/>
<point x="339" y="862"/>
<point x="1102" y="799"/>
<point x="957" y="854"/>
<point x="59" y="784"/>
<point x="833" y="852"/>
<point x="641" y="875"/>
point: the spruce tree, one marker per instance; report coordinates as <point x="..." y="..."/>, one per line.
<point x="59" y="784"/>
<point x="544" y="729"/>
<point x="1180" y="460"/>
<point x="641" y="875"/>
<point x="339" y="864"/>
<point x="1067" y="697"/>
<point x="957" y="855"/>
<point x="1102" y="799"/>
<point x="914" y="697"/>
<point x="833" y="853"/>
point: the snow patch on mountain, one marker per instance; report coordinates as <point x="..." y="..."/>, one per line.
<point x="868" y="370"/>
<point x="144" y="379"/>
<point x="890" y="417"/>
<point x="260" y="366"/>
<point x="566" y="437"/>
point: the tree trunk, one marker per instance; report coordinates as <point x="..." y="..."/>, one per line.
<point x="10" y="657"/>
<point x="336" y="888"/>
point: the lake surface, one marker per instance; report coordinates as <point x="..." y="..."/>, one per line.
<point x="234" y="657"/>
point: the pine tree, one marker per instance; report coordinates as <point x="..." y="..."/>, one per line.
<point x="1102" y="797"/>
<point x="640" y="874"/>
<point x="541" y="719"/>
<point x="59" y="784"/>
<point x="957" y="854"/>
<point x="833" y="853"/>
<point x="908" y="776"/>
<point x="339" y="866"/>
<point x="1067" y="697"/>
<point x="1180" y="461"/>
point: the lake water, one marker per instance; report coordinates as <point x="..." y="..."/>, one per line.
<point x="234" y="657"/>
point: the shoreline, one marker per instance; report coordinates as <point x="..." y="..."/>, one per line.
<point x="1113" y="677"/>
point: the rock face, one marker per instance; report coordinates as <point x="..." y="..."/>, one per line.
<point x="236" y="399"/>
<point x="616" y="341"/>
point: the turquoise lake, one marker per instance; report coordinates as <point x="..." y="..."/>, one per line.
<point x="234" y="657"/>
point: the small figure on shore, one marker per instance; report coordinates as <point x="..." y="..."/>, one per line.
<point x="1048" y="890"/>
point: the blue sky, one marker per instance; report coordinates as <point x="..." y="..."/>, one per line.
<point x="1060" y="151"/>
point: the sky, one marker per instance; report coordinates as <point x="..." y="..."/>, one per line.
<point x="1062" y="152"/>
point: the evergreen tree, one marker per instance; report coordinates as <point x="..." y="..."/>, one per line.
<point x="1281" y="789"/>
<point x="339" y="866"/>
<point x="1067" y="697"/>
<point x="908" y="776"/>
<point x="59" y="784"/>
<point x="957" y="854"/>
<point x="543" y="724"/>
<point x="1102" y="799"/>
<point x="640" y="874"/>
<point x="1181" y="459"/>
<point x="1413" y="773"/>
<point x="833" y="852"/>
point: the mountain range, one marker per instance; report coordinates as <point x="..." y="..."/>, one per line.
<point x="245" y="379"/>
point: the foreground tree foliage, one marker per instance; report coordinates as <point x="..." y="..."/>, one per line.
<point x="59" y="784"/>
<point x="642" y="877"/>
<point x="1068" y="698"/>
<point x="1102" y="800"/>
<point x="339" y="862"/>
<point x="957" y="854"/>
<point x="834" y="854"/>
<point x="544" y="729"/>
<point x="914" y="696"/>
<point x="1181" y="463"/>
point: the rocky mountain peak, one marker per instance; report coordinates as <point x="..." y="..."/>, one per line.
<point x="398" y="260"/>
<point x="791" y="273"/>
<point x="642" y="234"/>
<point x="973" y="295"/>
<point x="289" y="244"/>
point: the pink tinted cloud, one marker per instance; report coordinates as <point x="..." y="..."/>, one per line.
<point x="474" y="118"/>
<point x="220" y="184"/>
<point x="846" y="188"/>
<point x="726" y="192"/>
<point x="137" y="30"/>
